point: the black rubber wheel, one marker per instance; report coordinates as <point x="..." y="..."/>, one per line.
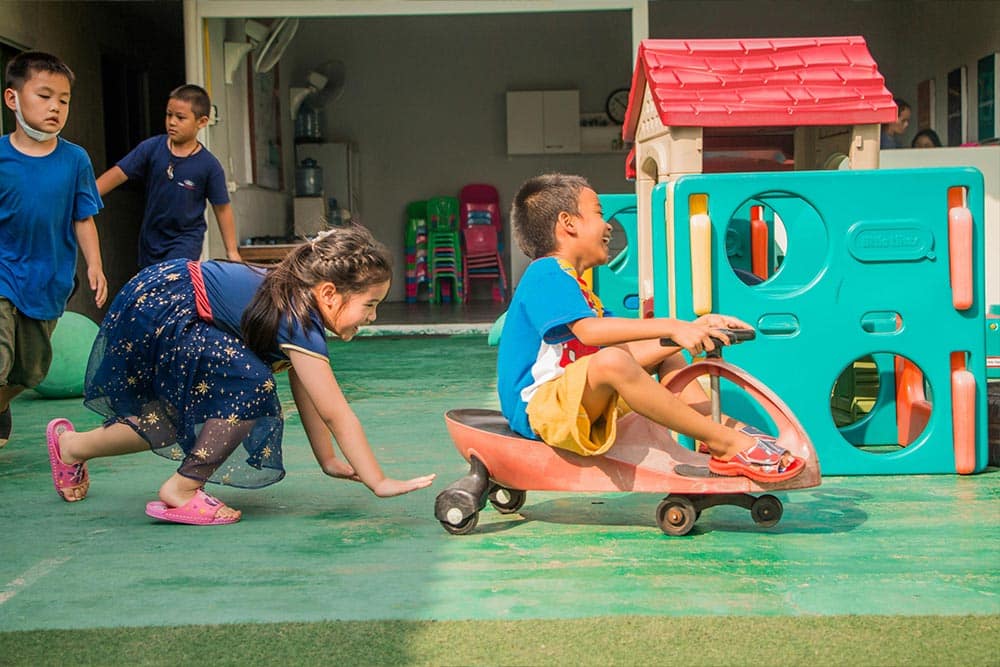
<point x="676" y="515"/>
<point x="766" y="510"/>
<point x="463" y="528"/>
<point x="507" y="501"/>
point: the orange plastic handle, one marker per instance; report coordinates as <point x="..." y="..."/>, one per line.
<point x="758" y="243"/>
<point x="960" y="249"/>
<point x="963" y="420"/>
<point x="912" y="408"/>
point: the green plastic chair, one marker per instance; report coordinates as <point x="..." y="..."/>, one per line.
<point x="444" y="249"/>
<point x="416" y="216"/>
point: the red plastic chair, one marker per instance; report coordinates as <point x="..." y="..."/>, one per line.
<point x="481" y="259"/>
<point x="480" y="197"/>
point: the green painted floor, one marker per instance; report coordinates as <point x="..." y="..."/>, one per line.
<point x="313" y="548"/>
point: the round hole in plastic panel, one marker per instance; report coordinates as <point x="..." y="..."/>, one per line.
<point x="776" y="239"/>
<point x="881" y="402"/>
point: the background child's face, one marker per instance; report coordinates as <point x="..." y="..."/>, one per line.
<point x="44" y="101"/>
<point x="902" y="122"/>
<point x="182" y="124"/>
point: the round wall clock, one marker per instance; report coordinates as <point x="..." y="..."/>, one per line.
<point x="616" y="105"/>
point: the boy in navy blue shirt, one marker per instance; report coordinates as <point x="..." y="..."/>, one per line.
<point x="48" y="199"/>
<point x="180" y="175"/>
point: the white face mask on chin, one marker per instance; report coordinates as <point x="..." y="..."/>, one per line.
<point x="37" y="135"/>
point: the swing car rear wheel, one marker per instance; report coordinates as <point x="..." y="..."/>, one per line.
<point x="766" y="510"/>
<point x="507" y="501"/>
<point x="676" y="515"/>
<point x="463" y="527"/>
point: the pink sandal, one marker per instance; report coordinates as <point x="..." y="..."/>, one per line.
<point x="201" y="510"/>
<point x="65" y="477"/>
<point x="761" y="462"/>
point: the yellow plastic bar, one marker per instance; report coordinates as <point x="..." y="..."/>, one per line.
<point x="701" y="254"/>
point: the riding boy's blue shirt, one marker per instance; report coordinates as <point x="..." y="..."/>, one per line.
<point x="40" y="200"/>
<point x="173" y="223"/>
<point x="536" y="343"/>
<point x="231" y="286"/>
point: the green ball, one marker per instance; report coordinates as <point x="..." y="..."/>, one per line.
<point x="71" y="342"/>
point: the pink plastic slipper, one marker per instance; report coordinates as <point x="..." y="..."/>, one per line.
<point x="761" y="462"/>
<point x="201" y="510"/>
<point x="66" y="477"/>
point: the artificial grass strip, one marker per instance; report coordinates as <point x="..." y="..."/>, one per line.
<point x="632" y="640"/>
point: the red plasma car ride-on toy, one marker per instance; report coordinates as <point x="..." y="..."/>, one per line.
<point x="645" y="459"/>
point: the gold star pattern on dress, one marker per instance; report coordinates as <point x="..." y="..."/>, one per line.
<point x="192" y="378"/>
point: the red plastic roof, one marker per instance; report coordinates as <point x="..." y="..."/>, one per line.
<point x="759" y="82"/>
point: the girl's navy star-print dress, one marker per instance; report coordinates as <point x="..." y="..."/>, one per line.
<point x="169" y="361"/>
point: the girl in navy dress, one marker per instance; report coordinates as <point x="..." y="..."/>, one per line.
<point x="184" y="365"/>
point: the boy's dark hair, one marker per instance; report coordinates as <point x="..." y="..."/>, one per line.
<point x="537" y="206"/>
<point x="901" y="105"/>
<point x="194" y="95"/>
<point x="23" y="65"/>
<point x="349" y="257"/>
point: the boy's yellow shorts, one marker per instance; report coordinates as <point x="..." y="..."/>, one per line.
<point x="556" y="414"/>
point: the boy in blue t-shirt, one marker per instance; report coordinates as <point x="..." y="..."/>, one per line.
<point x="180" y="174"/>
<point x="565" y="366"/>
<point x="48" y="199"/>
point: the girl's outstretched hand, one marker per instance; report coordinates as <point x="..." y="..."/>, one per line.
<point x="396" y="487"/>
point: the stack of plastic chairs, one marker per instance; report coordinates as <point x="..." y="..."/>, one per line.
<point x="444" y="250"/>
<point x="417" y="273"/>
<point x="481" y="236"/>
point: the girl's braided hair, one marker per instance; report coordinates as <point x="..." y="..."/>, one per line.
<point x="349" y="257"/>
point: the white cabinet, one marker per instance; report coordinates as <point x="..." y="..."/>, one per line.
<point x="543" y="121"/>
